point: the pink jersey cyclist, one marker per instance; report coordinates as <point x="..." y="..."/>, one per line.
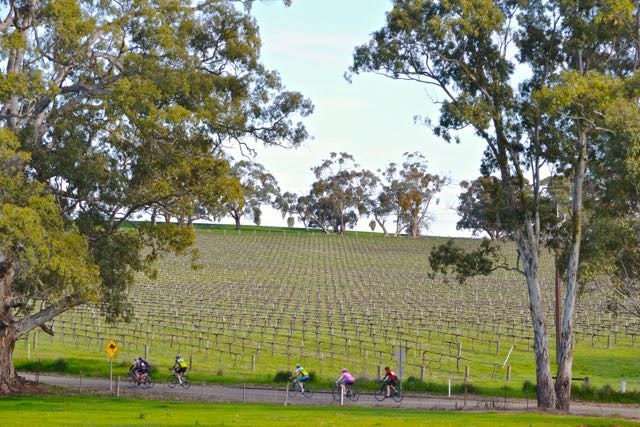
<point x="346" y="378"/>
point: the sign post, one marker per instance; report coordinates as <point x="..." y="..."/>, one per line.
<point x="401" y="356"/>
<point x="111" y="349"/>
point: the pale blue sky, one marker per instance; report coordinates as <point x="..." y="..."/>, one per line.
<point x="311" y="45"/>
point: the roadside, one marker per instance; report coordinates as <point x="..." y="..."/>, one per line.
<point x="251" y="394"/>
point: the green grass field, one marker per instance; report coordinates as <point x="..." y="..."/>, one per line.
<point x="91" y="411"/>
<point x="260" y="301"/>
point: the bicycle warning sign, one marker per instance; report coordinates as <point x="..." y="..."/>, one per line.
<point x="111" y="349"/>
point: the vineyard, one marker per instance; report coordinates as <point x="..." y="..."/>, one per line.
<point x="260" y="302"/>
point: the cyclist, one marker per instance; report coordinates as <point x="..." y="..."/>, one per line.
<point x="299" y="376"/>
<point x="347" y="379"/>
<point x="390" y="379"/>
<point x="139" y="367"/>
<point x="179" y="367"/>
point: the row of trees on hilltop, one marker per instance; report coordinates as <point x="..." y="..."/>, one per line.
<point x="399" y="196"/>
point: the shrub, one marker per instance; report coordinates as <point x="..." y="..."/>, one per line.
<point x="528" y="387"/>
<point x="59" y="365"/>
<point x="282" y="377"/>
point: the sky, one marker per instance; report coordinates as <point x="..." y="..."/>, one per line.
<point x="311" y="45"/>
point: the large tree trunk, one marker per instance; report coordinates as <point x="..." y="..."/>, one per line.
<point x="565" y="358"/>
<point x="384" y="229"/>
<point x="545" y="392"/>
<point x="9" y="380"/>
<point x="11" y="329"/>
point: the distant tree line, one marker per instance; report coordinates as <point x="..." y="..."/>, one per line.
<point x="398" y="198"/>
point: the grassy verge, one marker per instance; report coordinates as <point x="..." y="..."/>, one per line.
<point x="55" y="411"/>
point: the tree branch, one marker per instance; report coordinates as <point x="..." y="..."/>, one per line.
<point x="38" y="319"/>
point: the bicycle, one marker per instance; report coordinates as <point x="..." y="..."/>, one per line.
<point x="146" y="381"/>
<point x="381" y="393"/>
<point x="298" y="389"/>
<point x="349" y="393"/>
<point x="173" y="380"/>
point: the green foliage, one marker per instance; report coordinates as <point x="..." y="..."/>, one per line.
<point x="282" y="377"/>
<point x="483" y="208"/>
<point x="448" y="258"/>
<point x="257" y="188"/>
<point x="578" y="67"/>
<point x="529" y="388"/>
<point x="338" y="196"/>
<point x="151" y="95"/>
<point x="606" y="393"/>
<point x="49" y="258"/>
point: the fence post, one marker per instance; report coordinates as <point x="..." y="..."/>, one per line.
<point x="341" y="394"/>
<point x="509" y="373"/>
<point x="286" y="395"/>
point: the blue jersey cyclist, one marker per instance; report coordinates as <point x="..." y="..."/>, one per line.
<point x="301" y="375"/>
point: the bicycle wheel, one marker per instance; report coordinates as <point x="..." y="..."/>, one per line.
<point x="335" y="392"/>
<point x="380" y="393"/>
<point x="172" y="381"/>
<point x="353" y="396"/>
<point x="131" y="381"/>
<point x="293" y="391"/>
<point x="186" y="382"/>
<point x="397" y="395"/>
<point x="307" y="393"/>
<point x="148" y="381"/>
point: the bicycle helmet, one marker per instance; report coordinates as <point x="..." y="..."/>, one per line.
<point x="344" y="370"/>
<point x="297" y="366"/>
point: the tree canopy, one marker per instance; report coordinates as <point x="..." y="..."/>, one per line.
<point x="575" y="63"/>
<point x="121" y="108"/>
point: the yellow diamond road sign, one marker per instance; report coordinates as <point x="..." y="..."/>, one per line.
<point x="111" y="349"/>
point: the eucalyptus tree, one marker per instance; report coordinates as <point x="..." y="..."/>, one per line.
<point x="612" y="243"/>
<point x="482" y="207"/>
<point x="381" y="207"/>
<point x="408" y="190"/>
<point x="291" y="204"/>
<point x="259" y="188"/>
<point x="119" y="107"/>
<point x="575" y="59"/>
<point x="337" y="197"/>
